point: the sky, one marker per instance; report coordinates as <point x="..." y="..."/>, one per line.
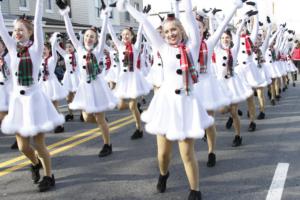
<point x="284" y="10"/>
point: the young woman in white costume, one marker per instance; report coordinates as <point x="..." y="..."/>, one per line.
<point x="93" y="95"/>
<point x="71" y="77"/>
<point x="30" y="113"/>
<point x="175" y="112"/>
<point x="48" y="80"/>
<point x="131" y="82"/>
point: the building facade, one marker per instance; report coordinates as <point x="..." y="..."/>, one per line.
<point x="84" y="13"/>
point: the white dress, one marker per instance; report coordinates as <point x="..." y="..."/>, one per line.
<point x="5" y="84"/>
<point x="270" y="64"/>
<point x="176" y="116"/>
<point x="156" y="76"/>
<point x="131" y="84"/>
<point x="237" y="87"/>
<point x="247" y="69"/>
<point x="114" y="70"/>
<point x="30" y="111"/>
<point x="50" y="84"/>
<point x="70" y="80"/>
<point x="92" y="96"/>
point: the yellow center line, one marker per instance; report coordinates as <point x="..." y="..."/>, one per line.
<point x="72" y="138"/>
<point x="64" y="148"/>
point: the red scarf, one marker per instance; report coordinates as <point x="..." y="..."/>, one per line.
<point x="46" y="69"/>
<point x="187" y="67"/>
<point x="128" y="57"/>
<point x="203" y="54"/>
<point x="107" y="61"/>
<point x="248" y="43"/>
<point x="138" y="64"/>
<point x="73" y="61"/>
<point x="213" y="57"/>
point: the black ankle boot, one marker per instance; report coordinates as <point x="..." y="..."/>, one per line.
<point x="195" y="195"/>
<point x="35" y="172"/>
<point x="240" y="113"/>
<point x="162" y="183"/>
<point x="252" y="127"/>
<point x="137" y="134"/>
<point x="69" y="117"/>
<point x="14" y="145"/>
<point x="229" y="123"/>
<point x="211" y="162"/>
<point x="294" y="84"/>
<point x="59" y="129"/>
<point x="47" y="183"/>
<point x="261" y="116"/>
<point x="273" y="102"/>
<point x="237" y="141"/>
<point x="106" y="150"/>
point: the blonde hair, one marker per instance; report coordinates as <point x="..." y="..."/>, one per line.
<point x="178" y="24"/>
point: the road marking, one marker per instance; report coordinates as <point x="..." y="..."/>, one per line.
<point x="65" y="148"/>
<point x="276" y="188"/>
<point x="72" y="138"/>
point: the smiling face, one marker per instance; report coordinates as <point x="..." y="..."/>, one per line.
<point x="21" y="32"/>
<point x="126" y="36"/>
<point x="46" y="51"/>
<point x="69" y="48"/>
<point x="172" y="32"/>
<point x="90" y="39"/>
<point x="226" y="40"/>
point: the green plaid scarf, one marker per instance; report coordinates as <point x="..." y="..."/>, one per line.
<point x="25" y="66"/>
<point x="92" y="67"/>
<point x="260" y="57"/>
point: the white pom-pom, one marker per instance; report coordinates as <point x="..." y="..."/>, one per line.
<point x="121" y="5"/>
<point x="65" y="11"/>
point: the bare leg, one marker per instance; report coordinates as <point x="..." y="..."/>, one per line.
<point x="136" y="114"/>
<point x="100" y="119"/>
<point x="43" y="153"/>
<point x="164" y="151"/>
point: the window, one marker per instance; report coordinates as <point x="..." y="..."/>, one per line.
<point x="97" y="8"/>
<point x="24" y="5"/>
<point x="49" y="5"/>
<point x="127" y="16"/>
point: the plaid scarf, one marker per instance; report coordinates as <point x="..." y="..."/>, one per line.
<point x="46" y="69"/>
<point x="4" y="68"/>
<point x="128" y="57"/>
<point x="203" y="54"/>
<point x="92" y="68"/>
<point x="107" y="61"/>
<point x="25" y="65"/>
<point x="229" y="63"/>
<point x="248" y="43"/>
<point x="260" y="57"/>
<point x="273" y="53"/>
<point x="187" y="67"/>
<point x="73" y="61"/>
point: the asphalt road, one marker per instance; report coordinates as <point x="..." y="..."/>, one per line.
<point x="130" y="173"/>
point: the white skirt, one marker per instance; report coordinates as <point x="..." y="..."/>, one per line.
<point x="70" y="81"/>
<point x="94" y="97"/>
<point x="250" y="73"/>
<point x="239" y="89"/>
<point x="292" y="66"/>
<point x="155" y="76"/>
<point x="176" y="116"/>
<point x="53" y="89"/>
<point x="213" y="96"/>
<point x="273" y="69"/>
<point x="5" y="91"/>
<point x="132" y="85"/>
<point x="31" y="113"/>
<point x="281" y="68"/>
<point x="112" y="74"/>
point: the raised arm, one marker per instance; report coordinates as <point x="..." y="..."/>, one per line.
<point x="237" y="38"/>
<point x="175" y="7"/>
<point x="69" y="27"/>
<point x="38" y="27"/>
<point x="54" y="44"/>
<point x="212" y="41"/>
<point x="102" y="38"/>
<point x="264" y="46"/>
<point x="154" y="37"/>
<point x="113" y="34"/>
<point x="192" y="26"/>
<point x="7" y="39"/>
<point x="139" y="37"/>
